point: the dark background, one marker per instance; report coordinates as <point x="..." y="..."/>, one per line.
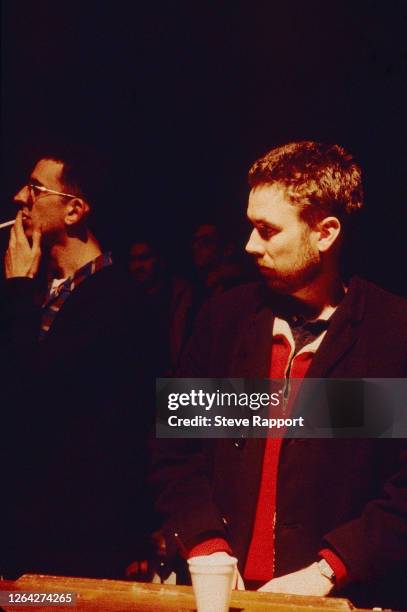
<point x="184" y="96"/>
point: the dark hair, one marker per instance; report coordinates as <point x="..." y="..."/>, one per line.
<point x="85" y="170"/>
<point x="321" y="179"/>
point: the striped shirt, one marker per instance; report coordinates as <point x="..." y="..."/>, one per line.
<point x="58" y="293"/>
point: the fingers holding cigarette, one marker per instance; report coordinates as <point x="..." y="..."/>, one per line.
<point x="22" y="258"/>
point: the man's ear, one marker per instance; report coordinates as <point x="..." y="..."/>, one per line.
<point x="328" y="230"/>
<point x="77" y="210"/>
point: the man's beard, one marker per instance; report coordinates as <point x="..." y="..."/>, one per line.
<point x="304" y="271"/>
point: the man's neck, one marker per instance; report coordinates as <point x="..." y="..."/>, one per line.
<point x="71" y="255"/>
<point x="320" y="297"/>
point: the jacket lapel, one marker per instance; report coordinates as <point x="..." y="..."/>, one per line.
<point x="342" y="333"/>
<point x="253" y="350"/>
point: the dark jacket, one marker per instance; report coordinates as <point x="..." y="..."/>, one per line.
<point x="74" y="427"/>
<point x="347" y="494"/>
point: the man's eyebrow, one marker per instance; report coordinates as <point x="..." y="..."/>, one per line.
<point x="262" y="224"/>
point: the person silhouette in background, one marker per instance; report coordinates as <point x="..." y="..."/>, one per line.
<point x="170" y="295"/>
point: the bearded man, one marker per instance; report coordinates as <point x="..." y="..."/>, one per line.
<point x="303" y="516"/>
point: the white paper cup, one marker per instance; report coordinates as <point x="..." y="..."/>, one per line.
<point x="212" y="581"/>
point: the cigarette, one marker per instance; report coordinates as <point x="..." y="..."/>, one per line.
<point x="7" y="223"/>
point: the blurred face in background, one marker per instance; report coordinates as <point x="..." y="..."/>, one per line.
<point x="205" y="246"/>
<point x="144" y="263"/>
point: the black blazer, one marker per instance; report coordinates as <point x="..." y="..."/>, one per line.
<point x="347" y="494"/>
<point x="78" y="409"/>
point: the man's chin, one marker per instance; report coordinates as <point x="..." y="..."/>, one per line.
<point x="273" y="281"/>
<point x="29" y="231"/>
<point x="284" y="285"/>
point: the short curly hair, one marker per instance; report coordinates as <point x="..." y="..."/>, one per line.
<point x="321" y="179"/>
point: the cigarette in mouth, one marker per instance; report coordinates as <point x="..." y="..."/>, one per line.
<point x="7" y="223"/>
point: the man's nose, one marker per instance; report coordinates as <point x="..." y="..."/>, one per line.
<point x="22" y="197"/>
<point x="255" y="245"/>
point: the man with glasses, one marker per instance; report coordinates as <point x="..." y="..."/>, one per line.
<point x="80" y="359"/>
<point x="47" y="210"/>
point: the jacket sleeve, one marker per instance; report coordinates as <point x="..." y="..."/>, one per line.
<point x="375" y="543"/>
<point x="180" y="474"/>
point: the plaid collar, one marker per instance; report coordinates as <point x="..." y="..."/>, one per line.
<point x="56" y="297"/>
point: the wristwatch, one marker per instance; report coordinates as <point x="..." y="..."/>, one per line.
<point x="326" y="570"/>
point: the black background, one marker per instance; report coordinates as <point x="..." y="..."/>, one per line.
<point x="184" y="96"/>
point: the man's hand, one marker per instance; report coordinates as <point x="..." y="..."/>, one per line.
<point x="22" y="259"/>
<point x="308" y="581"/>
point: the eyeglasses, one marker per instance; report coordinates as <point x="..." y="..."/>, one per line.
<point x="39" y="189"/>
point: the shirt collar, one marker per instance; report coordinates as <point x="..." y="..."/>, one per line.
<point x="101" y="261"/>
